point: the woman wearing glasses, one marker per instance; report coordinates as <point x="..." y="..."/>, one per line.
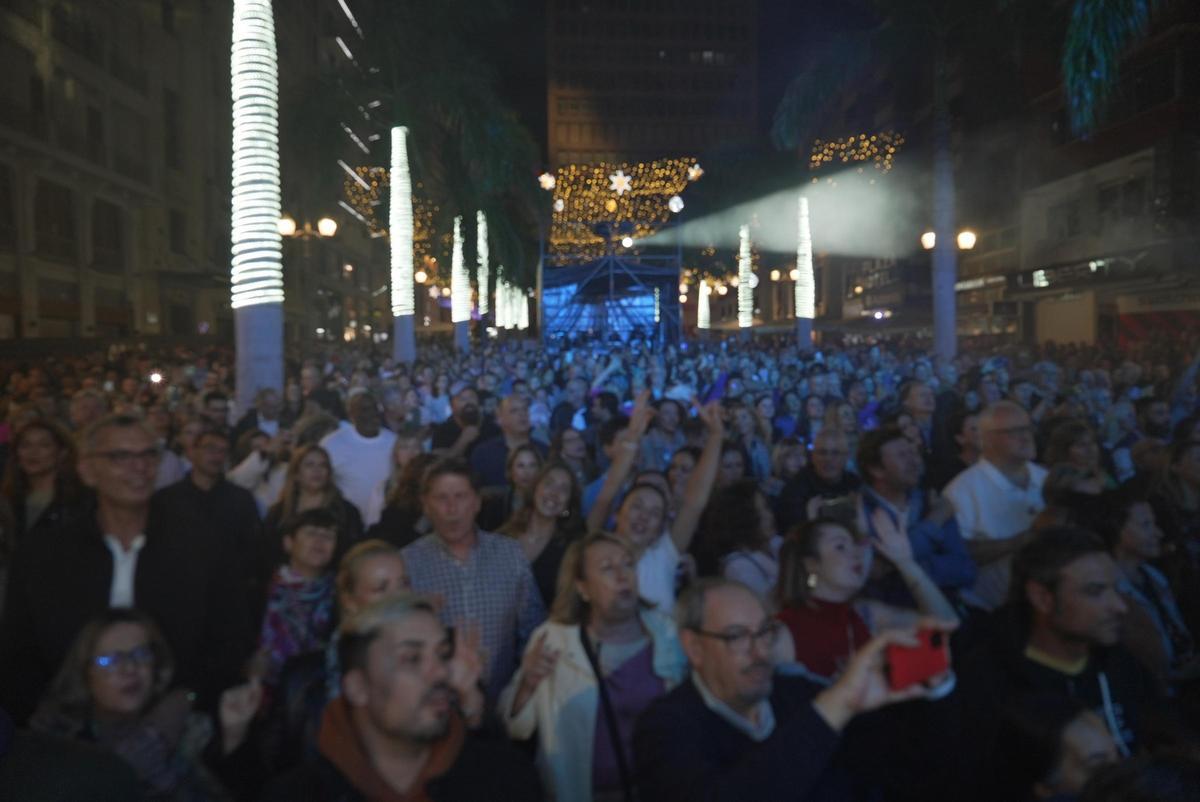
<point x="823" y="569"/>
<point x="112" y="691"/>
<point x="588" y="672"/>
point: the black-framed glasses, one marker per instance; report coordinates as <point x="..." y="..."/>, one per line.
<point x="739" y="639"/>
<point x="125" y="459"/>
<point x="138" y="656"/>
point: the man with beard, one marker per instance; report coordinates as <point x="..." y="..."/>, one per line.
<point x="397" y="731"/>
<point x="1154" y="418"/>
<point x="736" y="731"/>
<point x="459" y="434"/>
<point x="1060" y="635"/>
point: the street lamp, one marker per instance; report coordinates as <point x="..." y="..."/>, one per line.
<point x="287" y="227"/>
<point x="327" y="226"/>
<point x="928" y="240"/>
<point x="966" y="240"/>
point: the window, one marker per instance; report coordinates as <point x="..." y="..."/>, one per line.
<point x="8" y="210"/>
<point x="1063" y="221"/>
<point x="107" y="239"/>
<point x="177" y="231"/>
<point x="54" y="222"/>
<point x="171" y="129"/>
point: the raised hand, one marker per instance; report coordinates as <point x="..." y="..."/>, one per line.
<point x="889" y="539"/>
<point x="466" y="667"/>
<point x="642" y="413"/>
<point x="537" y="664"/>
<point x="236" y="710"/>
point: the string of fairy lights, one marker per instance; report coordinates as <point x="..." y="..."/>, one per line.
<point x="879" y="149"/>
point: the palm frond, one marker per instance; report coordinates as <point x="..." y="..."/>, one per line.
<point x="1099" y="34"/>
<point x="811" y="94"/>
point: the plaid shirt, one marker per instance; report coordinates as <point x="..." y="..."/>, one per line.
<point x="492" y="589"/>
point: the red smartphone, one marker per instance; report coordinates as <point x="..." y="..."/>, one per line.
<point x="911" y="665"/>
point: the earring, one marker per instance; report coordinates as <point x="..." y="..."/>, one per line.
<point x="811" y="581"/>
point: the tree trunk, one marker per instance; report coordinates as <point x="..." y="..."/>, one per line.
<point x="945" y="251"/>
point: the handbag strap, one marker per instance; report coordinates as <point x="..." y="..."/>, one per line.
<point x="610" y="716"/>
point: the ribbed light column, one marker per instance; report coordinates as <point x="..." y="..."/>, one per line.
<point x="745" y="290"/>
<point x="482" y="279"/>
<point x="806" y="286"/>
<point x="460" y="292"/>
<point x="400" y="230"/>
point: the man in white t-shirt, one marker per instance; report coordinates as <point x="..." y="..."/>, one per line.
<point x="996" y="499"/>
<point x="361" y="452"/>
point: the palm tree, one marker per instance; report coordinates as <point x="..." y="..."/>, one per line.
<point x="911" y="34"/>
<point x="1099" y="34"/>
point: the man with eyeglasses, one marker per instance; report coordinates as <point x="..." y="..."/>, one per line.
<point x="826" y="476"/>
<point x="736" y="731"/>
<point x="997" y="498"/>
<point x="127" y="554"/>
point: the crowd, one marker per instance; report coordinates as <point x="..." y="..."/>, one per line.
<point x="603" y="571"/>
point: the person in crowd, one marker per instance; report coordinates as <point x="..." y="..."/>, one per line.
<point x="997" y="499"/>
<point x="825" y="477"/>
<point x="574" y="402"/>
<point x="406" y="447"/>
<point x="1166" y="776"/>
<point x="1068" y="491"/>
<point x="402" y="520"/>
<point x="823" y="570"/>
<point x="360" y="453"/>
<point x="263" y="470"/>
<point x="40" y="482"/>
<point x="309" y="486"/>
<point x="963" y="427"/>
<point x="642" y="515"/>
<point x="569" y="448"/>
<point x="398" y="730"/>
<point x="371" y="571"/>
<point x="267" y="415"/>
<point x="501" y="502"/>
<point x="788" y="458"/>
<point x="683" y="462"/>
<point x="1060" y="635"/>
<point x="1175" y="497"/>
<point x="87" y="406"/>
<point x="547" y="525"/>
<point x="458" y="435"/>
<point x="1074" y="442"/>
<point x="917" y="399"/>
<point x="734" y="465"/>
<point x="299" y="614"/>
<point x="840" y="414"/>
<point x="1154" y="630"/>
<point x="664" y="437"/>
<point x="608" y="439"/>
<point x="812" y="418"/>
<point x="1153" y="417"/>
<point x="891" y="469"/>
<point x="484" y="579"/>
<point x="114" y="690"/>
<point x="127" y="553"/>
<point x="317" y="396"/>
<point x="737" y="538"/>
<point x="214" y="410"/>
<point x="490" y="457"/>
<point x="1049" y="747"/>
<point x="736" y="731"/>
<point x="590" y="670"/>
<point x="749" y="437"/>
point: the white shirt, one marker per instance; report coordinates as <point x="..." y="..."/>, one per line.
<point x="756" y="732"/>
<point x="359" y="463"/>
<point x="120" y="593"/>
<point x="989" y="506"/>
<point x="656" y="574"/>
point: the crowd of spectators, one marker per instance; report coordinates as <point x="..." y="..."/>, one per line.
<point x="603" y="571"/>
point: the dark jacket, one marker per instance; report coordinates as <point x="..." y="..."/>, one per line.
<point x="189" y="587"/>
<point x="792" y="507"/>
<point x="289" y="731"/>
<point x="686" y="752"/>
<point x="490" y="457"/>
<point x="1114" y="685"/>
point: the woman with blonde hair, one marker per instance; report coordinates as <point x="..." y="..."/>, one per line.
<point x="603" y="656"/>
<point x="309" y="485"/>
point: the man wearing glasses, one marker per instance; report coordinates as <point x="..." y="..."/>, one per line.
<point x="735" y="731"/>
<point x="124" y="554"/>
<point x="997" y="498"/>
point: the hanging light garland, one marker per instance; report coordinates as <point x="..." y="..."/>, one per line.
<point x="400" y="226"/>
<point x="481" y="250"/>
<point x="256" y="269"/>
<point x="880" y="149"/>
<point x="744" y="287"/>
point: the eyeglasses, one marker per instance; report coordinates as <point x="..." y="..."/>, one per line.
<point x="125" y="459"/>
<point x="739" y="640"/>
<point x="139" y="656"/>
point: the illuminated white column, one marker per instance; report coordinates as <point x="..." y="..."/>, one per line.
<point x="806" y="286"/>
<point x="460" y="291"/>
<point x="522" y="299"/>
<point x="482" y="279"/>
<point x="400" y="230"/>
<point x="703" y="314"/>
<point x="501" y="311"/>
<point x="256" y="267"/>
<point x="745" y="289"/>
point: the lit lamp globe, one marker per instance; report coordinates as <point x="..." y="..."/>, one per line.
<point x="420" y="277"/>
<point x="966" y="240"/>
<point x="627" y="242"/>
<point x="928" y="240"/>
<point x="675" y="204"/>
<point x="683" y="288"/>
<point x="327" y="226"/>
<point x="794" y="274"/>
<point x="776" y="275"/>
<point x="287" y="227"/>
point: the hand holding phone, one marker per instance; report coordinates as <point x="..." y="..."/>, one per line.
<point x="915" y="665"/>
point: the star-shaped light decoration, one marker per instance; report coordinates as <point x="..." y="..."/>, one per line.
<point x="546" y="181"/>
<point x="620" y="183"/>
<point x="695" y="172"/>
